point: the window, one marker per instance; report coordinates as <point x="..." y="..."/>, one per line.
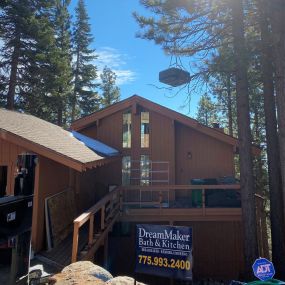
<point x="3" y="180"/>
<point x="145" y="169"/>
<point x="144" y="129"/>
<point x="127" y="125"/>
<point x="126" y="170"/>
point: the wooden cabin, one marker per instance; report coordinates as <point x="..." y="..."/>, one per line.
<point x="41" y="159"/>
<point x="163" y="168"/>
<point x="165" y="156"/>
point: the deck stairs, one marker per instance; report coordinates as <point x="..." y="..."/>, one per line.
<point x="90" y="231"/>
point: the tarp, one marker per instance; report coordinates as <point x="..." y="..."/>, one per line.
<point x="95" y="145"/>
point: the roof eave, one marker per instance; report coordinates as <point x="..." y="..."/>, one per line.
<point x="42" y="150"/>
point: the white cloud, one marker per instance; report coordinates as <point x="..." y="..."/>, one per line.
<point x="117" y="62"/>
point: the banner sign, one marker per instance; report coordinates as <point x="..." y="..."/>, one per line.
<point x="164" y="251"/>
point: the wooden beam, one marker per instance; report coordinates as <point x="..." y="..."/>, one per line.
<point x="85" y="122"/>
<point x="182" y="187"/>
<point x="91" y="229"/>
<point x="35" y="220"/>
<point x="103" y="218"/>
<point x="75" y="243"/>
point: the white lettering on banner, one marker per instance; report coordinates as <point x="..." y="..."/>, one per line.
<point x="263" y="268"/>
<point x="166" y="235"/>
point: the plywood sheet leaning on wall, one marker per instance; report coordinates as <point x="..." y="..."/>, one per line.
<point x="60" y="211"/>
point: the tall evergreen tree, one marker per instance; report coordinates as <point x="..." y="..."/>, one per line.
<point x="194" y="28"/>
<point x="207" y="113"/>
<point x="110" y="92"/>
<point x="277" y="15"/>
<point x="274" y="173"/>
<point x="35" y="94"/>
<point x="60" y="62"/>
<point x="19" y="21"/>
<point x="244" y="135"/>
<point x="84" y="99"/>
<point x="221" y="83"/>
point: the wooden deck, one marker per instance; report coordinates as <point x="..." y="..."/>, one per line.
<point x="60" y="256"/>
<point x="175" y="215"/>
<point x="91" y="228"/>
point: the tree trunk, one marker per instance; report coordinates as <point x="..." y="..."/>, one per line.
<point x="275" y="183"/>
<point x="13" y="73"/>
<point x="74" y="97"/>
<point x="278" y="29"/>
<point x="244" y="134"/>
<point x="230" y="111"/>
<point x="59" y="113"/>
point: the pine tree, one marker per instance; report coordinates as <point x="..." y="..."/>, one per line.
<point x="19" y="24"/>
<point x="207" y="113"/>
<point x="274" y="172"/>
<point x="195" y="29"/>
<point x="84" y="99"/>
<point x="221" y="83"/>
<point x="277" y="15"/>
<point x="60" y="62"/>
<point x="110" y="92"/>
<point x="35" y="95"/>
<point x="244" y="133"/>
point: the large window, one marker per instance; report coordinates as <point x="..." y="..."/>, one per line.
<point x="127" y="126"/>
<point x="126" y="170"/>
<point x="145" y="170"/>
<point x="144" y="129"/>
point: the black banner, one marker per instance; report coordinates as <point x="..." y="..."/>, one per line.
<point x="164" y="251"/>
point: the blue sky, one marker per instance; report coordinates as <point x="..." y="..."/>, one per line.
<point x="137" y="62"/>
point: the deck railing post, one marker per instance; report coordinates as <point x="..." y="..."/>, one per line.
<point x="75" y="243"/>
<point x="203" y="202"/>
<point x="121" y="200"/>
<point x="103" y="217"/>
<point x="160" y="199"/>
<point x="91" y="229"/>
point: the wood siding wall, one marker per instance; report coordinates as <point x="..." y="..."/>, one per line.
<point x="8" y="157"/>
<point x="209" y="158"/>
<point x="53" y="178"/>
<point x="169" y="141"/>
<point x="217" y="252"/>
<point x="162" y="138"/>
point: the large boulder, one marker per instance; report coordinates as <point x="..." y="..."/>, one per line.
<point x="88" y="268"/>
<point x="75" y="278"/>
<point x="123" y="280"/>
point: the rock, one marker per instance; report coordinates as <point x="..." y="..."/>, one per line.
<point x="123" y="280"/>
<point x="75" y="278"/>
<point x="88" y="268"/>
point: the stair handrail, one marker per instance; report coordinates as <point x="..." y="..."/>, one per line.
<point x="88" y="215"/>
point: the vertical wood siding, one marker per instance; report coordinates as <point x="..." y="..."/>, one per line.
<point x="217" y="252"/>
<point x="53" y="178"/>
<point x="8" y="157"/>
<point x="210" y="158"/>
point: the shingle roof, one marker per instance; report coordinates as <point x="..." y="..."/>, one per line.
<point x="47" y="135"/>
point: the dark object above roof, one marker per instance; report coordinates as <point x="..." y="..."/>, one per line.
<point x="174" y="76"/>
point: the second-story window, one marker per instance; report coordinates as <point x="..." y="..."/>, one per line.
<point x="144" y="129"/>
<point x="127" y="128"/>
<point x="145" y="170"/>
<point x="126" y="170"/>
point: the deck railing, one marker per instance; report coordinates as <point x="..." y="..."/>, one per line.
<point x="107" y="210"/>
<point x="103" y="214"/>
<point x="181" y="196"/>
